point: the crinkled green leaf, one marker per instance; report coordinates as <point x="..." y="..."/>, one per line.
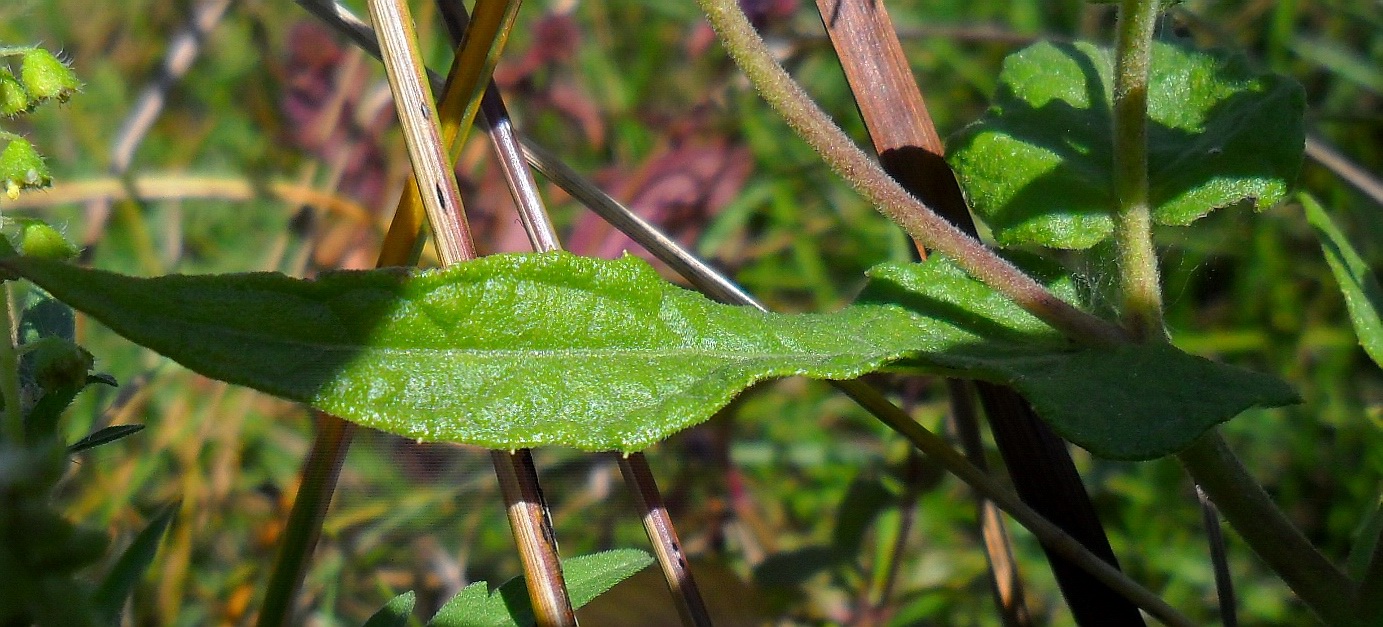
<point x="586" y="576"/>
<point x="1037" y="168"/>
<point x="1363" y="295"/>
<point x="527" y="350"/>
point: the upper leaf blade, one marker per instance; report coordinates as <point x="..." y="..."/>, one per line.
<point x="1038" y="167"/>
<point x="529" y="350"/>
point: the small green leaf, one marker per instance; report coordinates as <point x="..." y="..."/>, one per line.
<point x="1037" y="168"/>
<point x="1363" y="295"/>
<point x="518" y="351"/>
<point x="587" y="577"/>
<point x="395" y="613"/>
<point x="120" y="582"/>
<point x="45" y="76"/>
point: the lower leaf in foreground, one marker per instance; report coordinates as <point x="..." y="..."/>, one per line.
<point x="517" y="351"/>
<point x="587" y="576"/>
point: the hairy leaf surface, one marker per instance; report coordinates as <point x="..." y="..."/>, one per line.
<point x="1038" y="167"/>
<point x="528" y="350"/>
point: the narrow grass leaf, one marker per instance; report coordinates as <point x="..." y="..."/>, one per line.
<point x="520" y="351"/>
<point x="587" y="576"/>
<point x="104" y="436"/>
<point x="119" y="583"/>
<point x="1363" y="295"/>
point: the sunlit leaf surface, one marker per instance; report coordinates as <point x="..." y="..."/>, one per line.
<point x="528" y="350"/>
<point x="1038" y="167"/>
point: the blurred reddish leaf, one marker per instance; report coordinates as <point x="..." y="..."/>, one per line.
<point x="327" y="114"/>
<point x="762" y="14"/>
<point x="679" y="188"/>
<point x="536" y="79"/>
<point x="331" y="112"/>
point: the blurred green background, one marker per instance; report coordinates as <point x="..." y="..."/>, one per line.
<point x="636" y="93"/>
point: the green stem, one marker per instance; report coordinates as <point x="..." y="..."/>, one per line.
<point x="9" y="371"/>
<point x="318" y="482"/>
<point x="1251" y="512"/>
<point x="1141" y="286"/>
<point x="839" y="152"/>
<point x="1209" y="461"/>
<point x="1047" y="532"/>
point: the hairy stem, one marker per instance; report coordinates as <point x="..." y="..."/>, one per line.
<point x="1267" y="531"/>
<point x="1141" y="286"/>
<point x="1209" y="461"/>
<point x="813" y="125"/>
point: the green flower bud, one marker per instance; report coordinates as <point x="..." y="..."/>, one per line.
<point x="47" y="77"/>
<point x="40" y="240"/>
<point x="14" y="99"/>
<point x="21" y="167"/>
<point x="58" y="363"/>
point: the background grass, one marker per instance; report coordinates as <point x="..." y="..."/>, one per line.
<point x="759" y="491"/>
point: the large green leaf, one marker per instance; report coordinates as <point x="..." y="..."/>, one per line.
<point x="1358" y="283"/>
<point x="526" y="350"/>
<point x="1038" y="167"/>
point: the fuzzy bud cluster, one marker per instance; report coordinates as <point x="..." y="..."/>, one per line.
<point x="35" y="77"/>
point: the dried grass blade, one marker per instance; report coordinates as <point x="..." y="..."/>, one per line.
<point x="543" y="237"/>
<point x="439" y="194"/>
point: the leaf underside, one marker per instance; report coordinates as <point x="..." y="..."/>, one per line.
<point x="515" y="351"/>
<point x="1038" y="167"/>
